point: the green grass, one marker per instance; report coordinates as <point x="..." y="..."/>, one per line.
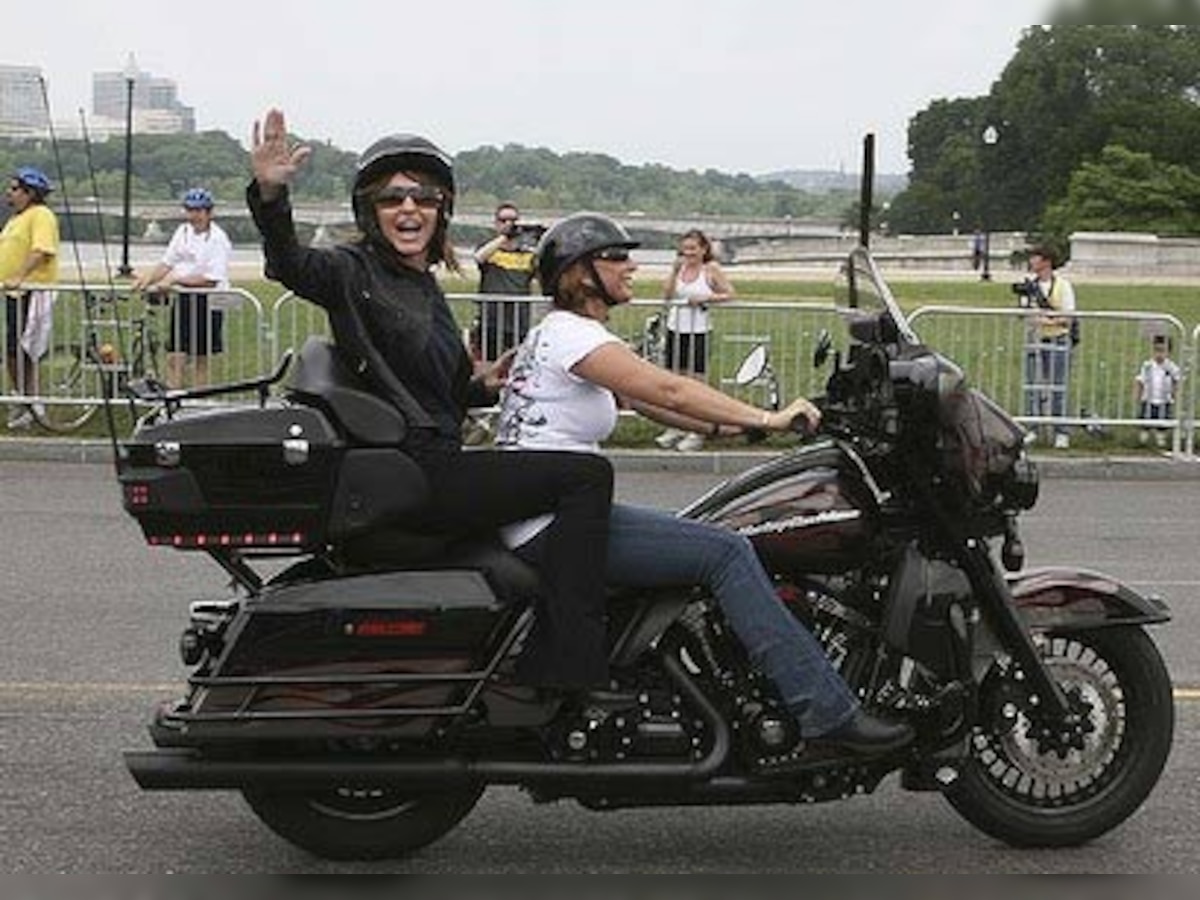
<point x="1104" y="367"/>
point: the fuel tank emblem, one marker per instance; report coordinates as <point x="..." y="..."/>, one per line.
<point x="795" y="523"/>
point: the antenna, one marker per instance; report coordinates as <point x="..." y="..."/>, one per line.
<point x="866" y="190"/>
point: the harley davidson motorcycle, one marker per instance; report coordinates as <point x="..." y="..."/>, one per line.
<point x="357" y="684"/>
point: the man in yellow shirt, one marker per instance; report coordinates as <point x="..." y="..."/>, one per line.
<point x="28" y="256"/>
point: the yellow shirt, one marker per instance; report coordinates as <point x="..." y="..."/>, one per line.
<point x="34" y="228"/>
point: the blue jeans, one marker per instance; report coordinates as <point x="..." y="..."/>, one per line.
<point x="649" y="548"/>
<point x="1047" y="365"/>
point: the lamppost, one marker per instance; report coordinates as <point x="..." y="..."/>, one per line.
<point x="990" y="136"/>
<point x="130" y="73"/>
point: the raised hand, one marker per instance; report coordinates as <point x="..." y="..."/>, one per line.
<point x="274" y="160"/>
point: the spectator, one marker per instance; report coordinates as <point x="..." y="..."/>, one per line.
<point x="696" y="282"/>
<point x="196" y="261"/>
<point x="1048" y="295"/>
<point x="28" y="256"/>
<point x="506" y="266"/>
<point x="1155" y="387"/>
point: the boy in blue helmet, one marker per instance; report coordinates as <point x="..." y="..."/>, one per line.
<point x="196" y="261"/>
<point x="28" y="257"/>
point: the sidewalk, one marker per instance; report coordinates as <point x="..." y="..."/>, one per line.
<point x="717" y="462"/>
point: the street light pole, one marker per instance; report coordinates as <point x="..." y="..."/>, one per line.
<point x="990" y="136"/>
<point x="125" y="270"/>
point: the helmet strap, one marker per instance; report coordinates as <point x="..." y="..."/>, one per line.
<point x="598" y="283"/>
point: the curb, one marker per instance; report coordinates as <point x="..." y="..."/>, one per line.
<point x="714" y="462"/>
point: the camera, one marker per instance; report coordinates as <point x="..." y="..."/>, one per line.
<point x="1029" y="293"/>
<point x="526" y="235"/>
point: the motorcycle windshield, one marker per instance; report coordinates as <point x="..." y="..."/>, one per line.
<point x="861" y="289"/>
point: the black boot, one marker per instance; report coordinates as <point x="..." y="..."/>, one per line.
<point x="867" y="735"/>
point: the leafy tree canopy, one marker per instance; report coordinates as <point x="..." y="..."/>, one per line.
<point x="1069" y="92"/>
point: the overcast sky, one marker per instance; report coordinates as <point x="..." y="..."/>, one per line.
<point x="740" y="85"/>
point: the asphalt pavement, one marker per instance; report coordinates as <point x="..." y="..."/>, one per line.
<point x="1051" y="464"/>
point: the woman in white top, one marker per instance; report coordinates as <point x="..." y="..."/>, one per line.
<point x="562" y="394"/>
<point x="695" y="283"/>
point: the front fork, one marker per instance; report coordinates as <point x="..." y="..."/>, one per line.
<point x="1045" y="694"/>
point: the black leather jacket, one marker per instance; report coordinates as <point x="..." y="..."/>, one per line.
<point x="391" y="321"/>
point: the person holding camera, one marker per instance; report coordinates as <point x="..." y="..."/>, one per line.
<point x="506" y="267"/>
<point x="1051" y="299"/>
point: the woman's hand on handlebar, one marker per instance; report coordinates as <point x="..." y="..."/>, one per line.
<point x="800" y="415"/>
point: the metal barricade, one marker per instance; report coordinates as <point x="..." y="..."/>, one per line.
<point x="1012" y="366"/>
<point x="100" y="337"/>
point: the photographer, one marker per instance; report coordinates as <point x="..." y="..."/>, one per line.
<point x="506" y="266"/>
<point x="1051" y="299"/>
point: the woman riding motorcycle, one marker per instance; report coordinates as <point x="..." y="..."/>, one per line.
<point x="562" y="395"/>
<point x="392" y="323"/>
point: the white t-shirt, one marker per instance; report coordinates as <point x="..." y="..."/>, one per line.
<point x="545" y="406"/>
<point x="191" y="253"/>
<point x="1158" y="381"/>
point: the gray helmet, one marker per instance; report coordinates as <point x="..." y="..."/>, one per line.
<point x="399" y="153"/>
<point x="574" y="238"/>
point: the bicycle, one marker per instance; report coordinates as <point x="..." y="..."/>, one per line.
<point x="82" y="374"/>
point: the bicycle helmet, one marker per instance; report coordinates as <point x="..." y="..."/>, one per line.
<point x="33" y="179"/>
<point x="399" y="153"/>
<point x="577" y="237"/>
<point x="198" y="198"/>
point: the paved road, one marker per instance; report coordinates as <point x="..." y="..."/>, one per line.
<point x="91" y="617"/>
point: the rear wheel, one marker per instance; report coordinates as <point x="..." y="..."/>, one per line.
<point x="361" y="823"/>
<point x="1027" y="793"/>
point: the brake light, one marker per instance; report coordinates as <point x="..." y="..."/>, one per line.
<point x="200" y="540"/>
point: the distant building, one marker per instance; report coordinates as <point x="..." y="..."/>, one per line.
<point x="22" y="106"/>
<point x="156" y="106"/>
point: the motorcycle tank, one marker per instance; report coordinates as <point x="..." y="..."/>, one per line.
<point x="814" y="511"/>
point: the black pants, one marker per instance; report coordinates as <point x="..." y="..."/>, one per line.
<point x="479" y="490"/>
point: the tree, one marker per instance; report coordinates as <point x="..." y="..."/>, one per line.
<point x="1128" y="191"/>
<point x="1069" y="91"/>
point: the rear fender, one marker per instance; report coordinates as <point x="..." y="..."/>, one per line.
<point x="1066" y="599"/>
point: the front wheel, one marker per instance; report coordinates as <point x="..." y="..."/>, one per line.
<point x="1029" y="795"/>
<point x="361" y="823"/>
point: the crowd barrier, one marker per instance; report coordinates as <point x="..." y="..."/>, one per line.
<point x="102" y="337"/>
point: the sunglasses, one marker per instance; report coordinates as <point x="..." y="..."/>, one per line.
<point x="612" y="254"/>
<point x="424" y="195"/>
<point x="506" y="219"/>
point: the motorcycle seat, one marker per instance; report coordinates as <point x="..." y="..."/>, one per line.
<point x="322" y="378"/>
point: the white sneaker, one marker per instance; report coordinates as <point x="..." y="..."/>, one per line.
<point x="20" y="418"/>
<point x="690" y="443"/>
<point x="669" y="438"/>
<point x="1061" y="442"/>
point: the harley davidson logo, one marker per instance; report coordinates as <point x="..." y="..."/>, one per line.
<point x="828" y="517"/>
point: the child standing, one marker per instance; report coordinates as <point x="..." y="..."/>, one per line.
<point x="1155" y="386"/>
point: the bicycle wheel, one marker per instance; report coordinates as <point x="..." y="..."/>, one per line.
<point x="69" y="388"/>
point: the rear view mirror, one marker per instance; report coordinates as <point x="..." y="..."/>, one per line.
<point x="752" y="367"/>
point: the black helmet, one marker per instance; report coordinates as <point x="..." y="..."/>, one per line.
<point x="574" y="238"/>
<point x="399" y="153"/>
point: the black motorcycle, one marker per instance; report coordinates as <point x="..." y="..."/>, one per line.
<point x="361" y="697"/>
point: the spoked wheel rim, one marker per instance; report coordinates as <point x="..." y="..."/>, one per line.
<point x="1013" y="761"/>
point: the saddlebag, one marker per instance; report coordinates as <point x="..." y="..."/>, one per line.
<point x="390" y="652"/>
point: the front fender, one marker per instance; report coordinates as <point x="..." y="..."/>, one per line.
<point x="1065" y="599"/>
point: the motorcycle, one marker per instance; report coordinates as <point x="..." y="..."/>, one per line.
<point x="357" y="685"/>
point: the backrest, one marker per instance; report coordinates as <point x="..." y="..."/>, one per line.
<point x="321" y="377"/>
